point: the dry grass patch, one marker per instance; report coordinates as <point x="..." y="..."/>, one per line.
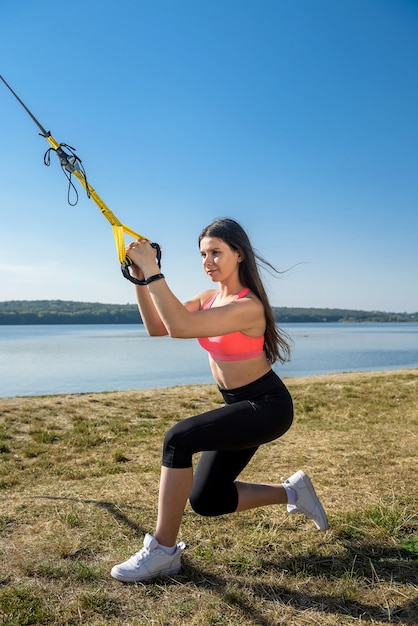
<point x="78" y="488"/>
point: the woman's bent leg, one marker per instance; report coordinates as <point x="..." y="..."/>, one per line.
<point x="217" y="492"/>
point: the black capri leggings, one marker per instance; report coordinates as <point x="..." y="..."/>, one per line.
<point x="228" y="438"/>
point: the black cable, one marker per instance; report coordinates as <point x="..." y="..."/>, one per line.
<point x="69" y="163"/>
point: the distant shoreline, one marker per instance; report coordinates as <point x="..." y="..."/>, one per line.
<point x="57" y="312"/>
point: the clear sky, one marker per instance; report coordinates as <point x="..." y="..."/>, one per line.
<point x="298" y="118"/>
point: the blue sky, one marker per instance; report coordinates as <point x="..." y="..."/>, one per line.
<point x="298" y="118"/>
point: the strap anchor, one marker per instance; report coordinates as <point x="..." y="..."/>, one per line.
<point x="71" y="165"/>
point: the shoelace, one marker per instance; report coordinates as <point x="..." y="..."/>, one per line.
<point x="138" y="556"/>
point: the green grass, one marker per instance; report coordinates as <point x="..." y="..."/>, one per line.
<point x="79" y="485"/>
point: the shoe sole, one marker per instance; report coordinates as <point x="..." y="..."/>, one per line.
<point x="164" y="574"/>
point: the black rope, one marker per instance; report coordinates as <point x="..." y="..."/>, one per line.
<point x="69" y="163"/>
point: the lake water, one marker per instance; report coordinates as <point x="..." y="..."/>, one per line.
<point x="54" y="359"/>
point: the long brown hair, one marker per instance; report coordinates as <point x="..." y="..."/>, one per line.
<point x="276" y="344"/>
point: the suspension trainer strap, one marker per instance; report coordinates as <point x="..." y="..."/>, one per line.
<point x="72" y="165"/>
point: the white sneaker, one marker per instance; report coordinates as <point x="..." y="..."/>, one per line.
<point x="150" y="562"/>
<point x="307" y="501"/>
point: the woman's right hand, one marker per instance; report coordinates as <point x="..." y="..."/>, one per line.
<point x="134" y="269"/>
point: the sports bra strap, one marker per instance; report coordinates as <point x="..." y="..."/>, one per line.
<point x="242" y="293"/>
<point x="211" y="300"/>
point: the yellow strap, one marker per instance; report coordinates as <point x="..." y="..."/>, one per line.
<point x="119" y="241"/>
<point x="118" y="228"/>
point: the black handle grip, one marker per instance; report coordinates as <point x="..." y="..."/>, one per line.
<point x="125" y="266"/>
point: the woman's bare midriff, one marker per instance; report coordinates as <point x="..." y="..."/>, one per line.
<point x="234" y="374"/>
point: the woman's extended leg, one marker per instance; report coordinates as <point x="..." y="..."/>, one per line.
<point x="216" y="490"/>
<point x="253" y="495"/>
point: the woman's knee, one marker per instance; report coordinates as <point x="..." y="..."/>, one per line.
<point x="200" y="506"/>
<point x="210" y="503"/>
<point x="175" y="452"/>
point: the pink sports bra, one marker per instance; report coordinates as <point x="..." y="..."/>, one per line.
<point x="234" y="346"/>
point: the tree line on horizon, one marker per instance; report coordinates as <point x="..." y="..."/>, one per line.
<point x="28" y="312"/>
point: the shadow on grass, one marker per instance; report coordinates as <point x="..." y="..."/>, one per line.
<point x="232" y="591"/>
<point x="365" y="562"/>
<point x="113" y="509"/>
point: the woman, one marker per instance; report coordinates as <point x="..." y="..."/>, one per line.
<point x="235" y="324"/>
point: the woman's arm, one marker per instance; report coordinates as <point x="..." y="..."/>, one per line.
<point x="190" y="321"/>
<point x="149" y="314"/>
<point x="246" y="314"/>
